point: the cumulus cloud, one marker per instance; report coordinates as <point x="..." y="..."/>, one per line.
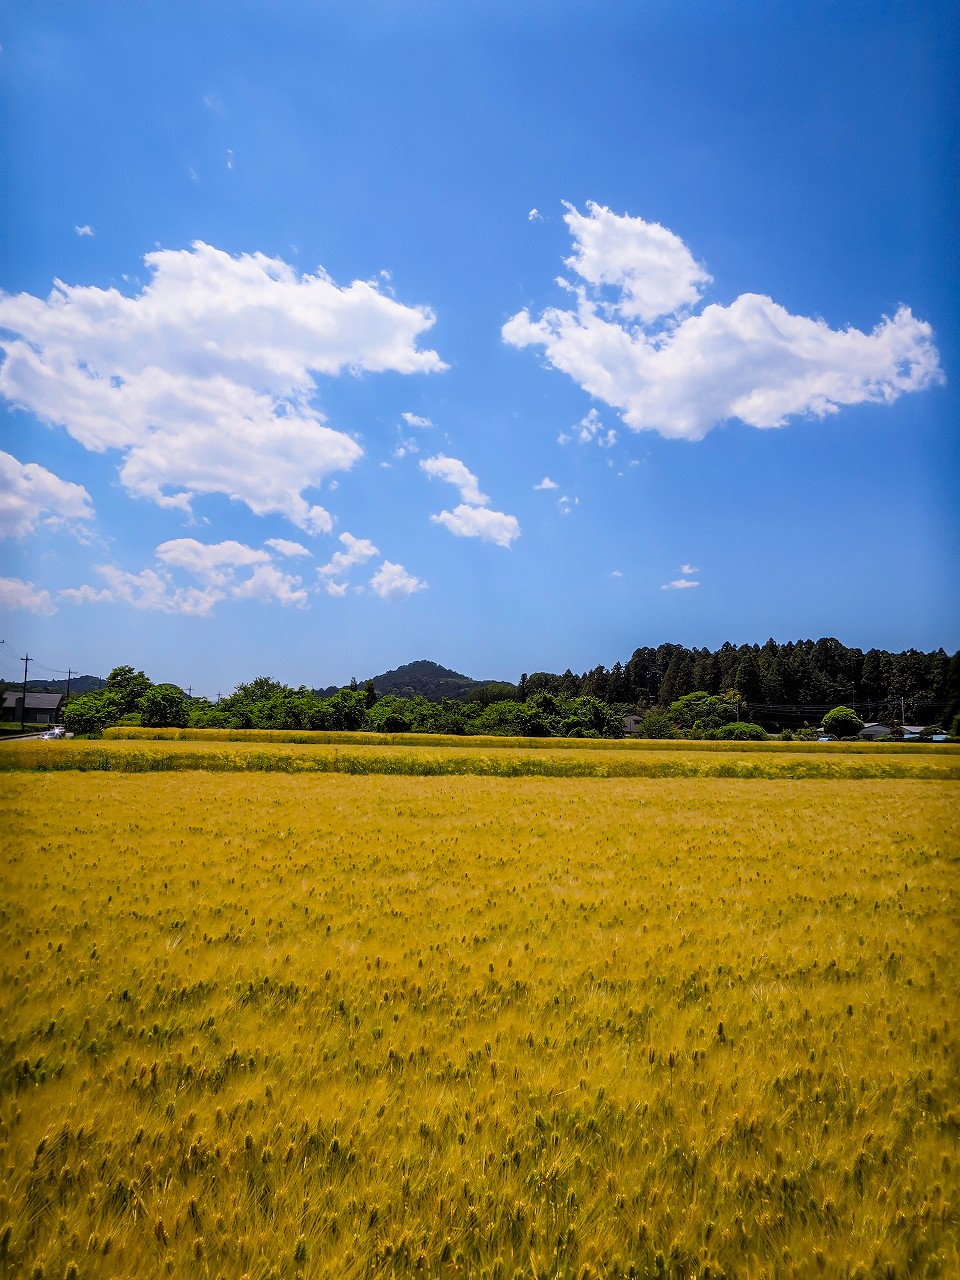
<point x="356" y="551"/>
<point x="214" y="563"/>
<point x="85" y="230"/>
<point x="472" y="518"/>
<point x="466" y="521"/>
<point x="17" y="594"/>
<point x="546" y="483"/>
<point x="203" y="380"/>
<point x="155" y="591"/>
<point x="751" y="360"/>
<point x="30" y="493"/>
<point x="689" y="568"/>
<point x="412" y="420"/>
<point x="454" y="471"/>
<point x="270" y="585"/>
<point x="534" y="216"/>
<point x="651" y="269"/>
<point x="392" y="582"/>
<point x="220" y="571"/>
<point x="679" y="584"/>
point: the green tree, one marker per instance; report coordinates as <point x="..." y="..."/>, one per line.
<point x="843" y="722"/>
<point x="164" y="706"/>
<point x="93" y="712"/>
<point x="701" y="711"/>
<point x="657" y="725"/>
<point x="129" y="686"/>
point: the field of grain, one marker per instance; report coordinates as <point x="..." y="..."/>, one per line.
<point x="327" y="1025"/>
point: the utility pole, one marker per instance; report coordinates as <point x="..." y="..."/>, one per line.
<point x="23" y="703"/>
<point x="67" y="698"/>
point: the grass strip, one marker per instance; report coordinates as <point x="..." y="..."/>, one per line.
<point x="119" y="757"/>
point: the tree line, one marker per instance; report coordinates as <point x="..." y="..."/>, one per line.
<point x="744" y="686"/>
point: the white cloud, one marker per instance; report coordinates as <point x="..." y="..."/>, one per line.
<point x="412" y="420"/>
<point x="547" y="483"/>
<point x="357" y="551"/>
<point x="335" y="588"/>
<point x="689" y="569"/>
<point x="29" y="492"/>
<point x="86" y="595"/>
<point x="567" y="504"/>
<point x="156" y="592"/>
<point x="472" y="518"/>
<point x="653" y="271"/>
<point x="268" y="584"/>
<point x="590" y="427"/>
<point x="534" y="216"/>
<point x="392" y="582"/>
<point x="287" y="548"/>
<point x="750" y="360"/>
<point x="616" y="573"/>
<point x="85" y="230"/>
<point x="203" y="380"/>
<point x="679" y="584"/>
<point x="222" y="569"/>
<point x="480" y="522"/>
<point x="17" y="594"/>
<point x="454" y="471"/>
<point x="213" y="563"/>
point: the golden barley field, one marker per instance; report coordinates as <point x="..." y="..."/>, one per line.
<point x="325" y="1024"/>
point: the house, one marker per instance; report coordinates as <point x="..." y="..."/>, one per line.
<point x="631" y="724"/>
<point x="873" y="730"/>
<point x="42" y="708"/>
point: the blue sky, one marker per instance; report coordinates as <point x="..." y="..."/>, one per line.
<point x="513" y="336"/>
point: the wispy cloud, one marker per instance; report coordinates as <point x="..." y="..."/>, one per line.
<point x="17" y="594"/>
<point x="634" y="342"/>
<point x="546" y="483"/>
<point x="287" y="548"/>
<point x="414" y="420"/>
<point x="85" y="230"/>
<point x="679" y="584"/>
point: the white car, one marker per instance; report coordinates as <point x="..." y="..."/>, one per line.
<point x="56" y="732"/>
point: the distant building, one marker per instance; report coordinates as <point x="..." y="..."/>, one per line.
<point x="631" y="724"/>
<point x="873" y="730"/>
<point x="42" y="708"/>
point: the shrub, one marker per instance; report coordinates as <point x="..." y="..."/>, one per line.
<point x="843" y="722"/>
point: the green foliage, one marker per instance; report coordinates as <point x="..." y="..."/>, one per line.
<point x="93" y="712"/>
<point x="842" y="722"/>
<point x="738" y="731"/>
<point x="163" y="706"/>
<point x="656" y="725"/>
<point x="701" y="711"/>
<point x="129" y="686"/>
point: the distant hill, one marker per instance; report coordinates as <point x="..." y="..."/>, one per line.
<point x="430" y="681"/>
<point x="78" y="684"/>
